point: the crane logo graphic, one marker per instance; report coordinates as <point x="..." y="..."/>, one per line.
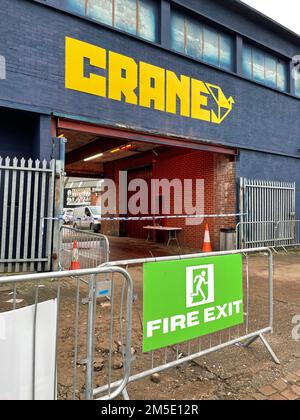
<point x="200" y="285"/>
<point x="224" y="105"/>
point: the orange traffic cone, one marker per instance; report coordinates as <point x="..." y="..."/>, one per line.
<point x="75" y="264"/>
<point x="206" y="243"/>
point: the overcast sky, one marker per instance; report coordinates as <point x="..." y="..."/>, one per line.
<point x="286" y="12"/>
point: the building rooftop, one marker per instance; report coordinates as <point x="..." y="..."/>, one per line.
<point x="245" y="9"/>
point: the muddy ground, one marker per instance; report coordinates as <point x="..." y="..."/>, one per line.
<point x="232" y="373"/>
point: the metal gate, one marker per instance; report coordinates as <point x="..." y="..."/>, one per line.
<point x="263" y="204"/>
<point x="27" y="191"/>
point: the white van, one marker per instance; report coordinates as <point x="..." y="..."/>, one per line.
<point x="87" y="217"/>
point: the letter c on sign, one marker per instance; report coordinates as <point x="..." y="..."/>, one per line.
<point x="76" y="53"/>
<point x="2" y="68"/>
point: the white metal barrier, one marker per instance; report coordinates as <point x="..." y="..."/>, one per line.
<point x="93" y="248"/>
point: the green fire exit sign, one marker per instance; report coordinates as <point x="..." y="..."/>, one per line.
<point x="187" y="299"/>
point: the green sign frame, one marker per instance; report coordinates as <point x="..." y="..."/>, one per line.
<point x="188" y="299"/>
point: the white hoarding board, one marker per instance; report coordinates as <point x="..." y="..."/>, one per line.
<point x="17" y="350"/>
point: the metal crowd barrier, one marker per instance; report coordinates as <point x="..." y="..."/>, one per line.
<point x="93" y="248"/>
<point x="258" y="304"/>
<point x="274" y="234"/>
<point x="99" y="348"/>
<point x="89" y="351"/>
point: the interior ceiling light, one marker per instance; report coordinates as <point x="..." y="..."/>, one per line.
<point x="118" y="149"/>
<point x="127" y="147"/>
<point x="93" y="157"/>
<point x="115" y="150"/>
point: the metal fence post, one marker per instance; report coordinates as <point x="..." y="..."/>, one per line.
<point x="241" y="209"/>
<point x="271" y="290"/>
<point x="59" y="202"/>
<point x="90" y="339"/>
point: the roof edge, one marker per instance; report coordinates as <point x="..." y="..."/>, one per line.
<point x="239" y="4"/>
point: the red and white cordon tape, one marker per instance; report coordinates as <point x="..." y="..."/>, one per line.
<point x="183" y="216"/>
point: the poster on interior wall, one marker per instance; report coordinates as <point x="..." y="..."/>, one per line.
<point x="17" y="381"/>
<point x="78" y="197"/>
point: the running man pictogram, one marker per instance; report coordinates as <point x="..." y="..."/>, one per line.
<point x="199" y="285"/>
<point x="200" y="281"/>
